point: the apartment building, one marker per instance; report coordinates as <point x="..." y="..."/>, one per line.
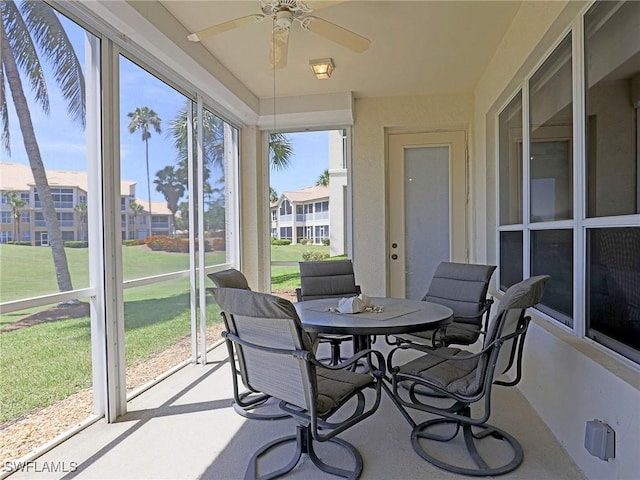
<point x="70" y="196"/>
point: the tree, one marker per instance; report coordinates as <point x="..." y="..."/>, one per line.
<point x="168" y="183"/>
<point x="273" y="195"/>
<point x="136" y="209"/>
<point x="81" y="210"/>
<point x="16" y="203"/>
<point x="280" y="151"/>
<point x="280" y="147"/>
<point x="26" y="34"/>
<point x="143" y="119"/>
<point x="323" y="180"/>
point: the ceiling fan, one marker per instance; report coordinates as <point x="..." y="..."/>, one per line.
<point x="284" y="13"/>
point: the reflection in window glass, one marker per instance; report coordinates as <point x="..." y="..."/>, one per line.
<point x="612" y="57"/>
<point x="614" y="285"/>
<point x="552" y="254"/>
<point x="551" y="131"/>
<point x="510" y="162"/>
<point x="510" y="259"/>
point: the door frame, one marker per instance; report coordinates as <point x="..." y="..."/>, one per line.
<point x="457" y="141"/>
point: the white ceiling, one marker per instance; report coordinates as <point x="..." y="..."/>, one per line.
<point x="417" y="47"/>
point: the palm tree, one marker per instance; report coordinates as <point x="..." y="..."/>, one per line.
<point x="26" y="33"/>
<point x="136" y="209"/>
<point x="16" y="203"/>
<point x="143" y="119"/>
<point x="323" y="180"/>
<point x="280" y="151"/>
<point x="273" y="195"/>
<point x="280" y="147"/>
<point x="81" y="210"/>
<point x="168" y="183"/>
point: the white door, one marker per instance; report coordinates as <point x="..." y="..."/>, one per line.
<point x="427" y="207"/>
<point x="44" y="239"/>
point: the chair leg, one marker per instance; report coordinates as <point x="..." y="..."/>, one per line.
<point x="304" y="445"/>
<point x="471" y="441"/>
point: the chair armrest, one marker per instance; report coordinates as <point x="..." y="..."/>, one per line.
<point x="299" y="294"/>
<point x="378" y="372"/>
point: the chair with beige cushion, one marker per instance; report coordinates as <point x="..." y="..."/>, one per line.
<point x="328" y="279"/>
<point x="277" y="359"/>
<point x="250" y="404"/>
<point x="463" y="288"/>
<point x="464" y="378"/>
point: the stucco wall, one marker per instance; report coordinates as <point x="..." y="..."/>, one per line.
<point x="567" y="379"/>
<point x="373" y="117"/>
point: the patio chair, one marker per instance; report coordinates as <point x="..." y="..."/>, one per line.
<point x="463" y="288"/>
<point x="277" y="359"/>
<point x="464" y="378"/>
<point x="248" y="401"/>
<point x="328" y="279"/>
<point x="230" y="278"/>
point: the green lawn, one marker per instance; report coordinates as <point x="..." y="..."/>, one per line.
<point x="44" y="363"/>
<point x="288" y="278"/>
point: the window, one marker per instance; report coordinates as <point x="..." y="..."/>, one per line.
<point x="612" y="86"/>
<point x="62" y="198"/>
<point x="6" y="217"/>
<point x="285" y="233"/>
<point x="65" y="219"/>
<point x="510" y="259"/>
<point x="285" y="208"/>
<point x="551" y="130"/>
<point x="541" y="233"/>
<point x="552" y="254"/>
<point x="6" y="237"/>
<point x="613" y="270"/>
<point x="612" y="151"/>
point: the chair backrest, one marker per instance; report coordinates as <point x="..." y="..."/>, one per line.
<point x="463" y="288"/>
<point x="509" y="315"/>
<point x="272" y="363"/>
<point x="327" y="279"/>
<point x="230" y="278"/>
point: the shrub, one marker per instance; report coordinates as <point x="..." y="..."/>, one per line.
<point x="162" y="243"/>
<point x="19" y="242"/>
<point x="76" y="244"/>
<point x="305" y="241"/>
<point x="218" y="243"/>
<point x="314" y="256"/>
<point x="325" y="242"/>
<point x="132" y="243"/>
<point x="281" y="242"/>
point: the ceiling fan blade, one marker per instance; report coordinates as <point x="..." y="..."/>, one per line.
<point x="279" y="49"/>
<point x="223" y="27"/>
<point x="336" y="33"/>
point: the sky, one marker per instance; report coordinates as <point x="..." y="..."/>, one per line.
<point x="62" y="142"/>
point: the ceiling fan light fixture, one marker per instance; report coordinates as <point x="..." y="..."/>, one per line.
<point x="322" y="68"/>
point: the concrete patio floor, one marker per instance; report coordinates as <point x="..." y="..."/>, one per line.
<point x="185" y="428"/>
